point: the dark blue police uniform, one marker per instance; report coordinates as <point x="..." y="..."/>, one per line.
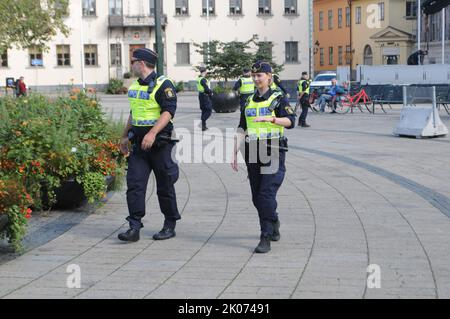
<point x="205" y="102"/>
<point x="158" y="159"/>
<point x="264" y="187"/>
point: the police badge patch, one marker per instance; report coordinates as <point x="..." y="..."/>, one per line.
<point x="289" y="110"/>
<point x="170" y="94"/>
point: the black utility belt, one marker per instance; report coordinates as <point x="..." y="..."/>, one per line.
<point x="275" y="143"/>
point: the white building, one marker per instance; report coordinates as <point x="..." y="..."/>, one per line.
<point x="111" y="29"/>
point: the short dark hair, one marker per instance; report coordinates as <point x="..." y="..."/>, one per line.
<point x="304" y="73"/>
<point x="149" y="65"/>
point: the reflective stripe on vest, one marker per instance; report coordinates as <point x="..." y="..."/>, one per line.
<point x="300" y="86"/>
<point x="247" y="86"/>
<point x="262" y="130"/>
<point x="145" y="110"/>
<point x="200" y="87"/>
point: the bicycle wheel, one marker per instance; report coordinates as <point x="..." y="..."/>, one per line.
<point x="342" y="106"/>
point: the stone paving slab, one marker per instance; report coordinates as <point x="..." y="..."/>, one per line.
<point x="353" y="196"/>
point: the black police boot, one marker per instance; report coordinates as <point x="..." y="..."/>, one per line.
<point x="131" y="235"/>
<point x="305" y="125"/>
<point x="204" y="128"/>
<point x="276" y="231"/>
<point x="263" y="246"/>
<point x="165" y="233"/>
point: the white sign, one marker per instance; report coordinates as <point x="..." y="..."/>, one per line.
<point x="391" y="51"/>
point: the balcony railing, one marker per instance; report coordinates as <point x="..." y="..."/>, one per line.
<point x="134" y="21"/>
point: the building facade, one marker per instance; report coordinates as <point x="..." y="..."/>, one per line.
<point x="383" y="31"/>
<point x="104" y="34"/>
<point x="432" y="37"/>
<point x="332" y="22"/>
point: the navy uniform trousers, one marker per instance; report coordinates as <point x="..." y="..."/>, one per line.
<point x="205" y="107"/>
<point x="264" y="189"/>
<point x="140" y="165"/>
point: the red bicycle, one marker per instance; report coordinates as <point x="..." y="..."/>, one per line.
<point x="347" y="102"/>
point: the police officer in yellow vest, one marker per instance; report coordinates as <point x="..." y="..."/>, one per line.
<point x="204" y="96"/>
<point x="245" y="87"/>
<point x="303" y="89"/>
<point x="153" y="104"/>
<point x="266" y="115"/>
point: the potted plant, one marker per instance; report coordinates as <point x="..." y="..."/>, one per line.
<point x="227" y="60"/>
<point x="49" y="148"/>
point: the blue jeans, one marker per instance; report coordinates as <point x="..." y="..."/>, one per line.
<point x="323" y="99"/>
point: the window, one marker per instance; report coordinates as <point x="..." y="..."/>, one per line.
<point x="4" y="59"/>
<point x="235" y="7"/>
<point x="330" y="19"/>
<point x="322" y="58"/>
<point x="116" y="54"/>
<point x="381" y="10"/>
<point x="348" y="51"/>
<point x="290" y="7"/>
<point x="89" y="8"/>
<point x="340" y="55"/>
<point x="63" y="55"/>
<point x="212" y="7"/>
<point x="90" y="55"/>
<point x="358" y="15"/>
<point x="291" y="52"/>
<point x="264" y="7"/>
<point x="330" y="56"/>
<point x="35" y="55"/>
<point x="152" y="7"/>
<point x="348" y="18"/>
<point x="340" y="18"/>
<point x="321" y="20"/>
<point x="411" y="9"/>
<point x="181" y="7"/>
<point x="183" y="54"/>
<point x="115" y="7"/>
<point x="368" y="56"/>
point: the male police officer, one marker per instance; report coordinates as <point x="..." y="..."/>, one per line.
<point x="204" y="96"/>
<point x="245" y="87"/>
<point x="153" y="104"/>
<point x="303" y="98"/>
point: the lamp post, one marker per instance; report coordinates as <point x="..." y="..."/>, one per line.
<point x="419" y="27"/>
<point x="443" y="35"/>
<point x="158" y="36"/>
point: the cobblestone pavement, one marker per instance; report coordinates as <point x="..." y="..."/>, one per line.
<point x="354" y="196"/>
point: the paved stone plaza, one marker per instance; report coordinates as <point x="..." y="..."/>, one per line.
<point x="354" y="196"/>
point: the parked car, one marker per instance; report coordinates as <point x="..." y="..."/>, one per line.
<point x="322" y="81"/>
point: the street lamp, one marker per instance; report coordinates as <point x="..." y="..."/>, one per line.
<point x="158" y="36"/>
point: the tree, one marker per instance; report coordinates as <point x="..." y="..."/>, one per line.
<point x="228" y="59"/>
<point x="26" y="23"/>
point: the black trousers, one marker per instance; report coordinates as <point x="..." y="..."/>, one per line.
<point x="304" y="102"/>
<point x="205" y="107"/>
<point x="140" y="165"/>
<point x="264" y="189"/>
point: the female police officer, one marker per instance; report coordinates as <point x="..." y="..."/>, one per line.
<point x="266" y="114"/>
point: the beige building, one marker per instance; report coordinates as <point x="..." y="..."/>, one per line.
<point x="109" y="30"/>
<point x="383" y="31"/>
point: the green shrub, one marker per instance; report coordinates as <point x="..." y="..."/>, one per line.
<point x="114" y="86"/>
<point x="179" y="86"/>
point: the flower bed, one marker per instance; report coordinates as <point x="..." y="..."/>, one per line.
<point x="44" y="143"/>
